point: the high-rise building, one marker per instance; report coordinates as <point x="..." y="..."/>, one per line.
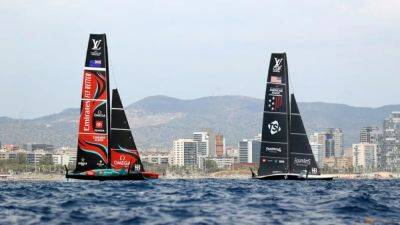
<point x="184" y="152"/>
<point x="315" y="147"/>
<point x="211" y="144"/>
<point x="370" y="135"/>
<point x="249" y="151"/>
<point x="337" y="136"/>
<point x="327" y="144"/>
<point x="365" y="156"/>
<point x="202" y="139"/>
<point x="220" y="145"/>
<point x="390" y="148"/>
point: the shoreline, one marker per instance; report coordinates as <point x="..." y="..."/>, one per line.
<point x="237" y="175"/>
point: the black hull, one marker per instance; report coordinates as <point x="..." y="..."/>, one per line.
<point x="135" y="176"/>
<point x="293" y="177"/>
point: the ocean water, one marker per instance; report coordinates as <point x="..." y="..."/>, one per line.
<point x="203" y="201"/>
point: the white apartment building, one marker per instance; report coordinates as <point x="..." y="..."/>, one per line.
<point x="365" y="155"/>
<point x="184" y="153"/>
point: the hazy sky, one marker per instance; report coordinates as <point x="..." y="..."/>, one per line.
<point x="338" y="51"/>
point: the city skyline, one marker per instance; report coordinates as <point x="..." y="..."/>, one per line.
<point x="222" y="49"/>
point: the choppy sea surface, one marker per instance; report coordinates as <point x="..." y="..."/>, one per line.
<point x="203" y="201"/>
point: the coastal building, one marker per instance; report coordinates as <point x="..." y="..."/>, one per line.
<point x="370" y="135"/>
<point x="160" y="158"/>
<point x="315" y="147"/>
<point x="327" y="144"/>
<point x="11" y="148"/>
<point x="338" y="163"/>
<point x="33" y="147"/>
<point x="184" y="153"/>
<point x="389" y="156"/>
<point x="220" y="145"/>
<point x="249" y="151"/>
<point x="211" y="144"/>
<point x="224" y="162"/>
<point x="3" y="154"/>
<point x="232" y="152"/>
<point x="203" y="142"/>
<point x="365" y="156"/>
<point x="65" y="156"/>
<point x="39" y="156"/>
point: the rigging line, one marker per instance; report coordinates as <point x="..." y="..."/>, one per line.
<point x="291" y="83"/>
<point x="111" y="67"/>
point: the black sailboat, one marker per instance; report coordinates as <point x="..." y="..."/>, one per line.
<point x="106" y="149"/>
<point x="285" y="152"/>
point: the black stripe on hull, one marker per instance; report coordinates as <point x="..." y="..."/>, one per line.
<point x="291" y="177"/>
<point x="131" y="176"/>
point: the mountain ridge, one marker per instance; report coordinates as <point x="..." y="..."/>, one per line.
<point x="158" y="120"/>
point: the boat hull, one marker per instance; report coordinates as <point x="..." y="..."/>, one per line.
<point x="294" y="177"/>
<point x="108" y="174"/>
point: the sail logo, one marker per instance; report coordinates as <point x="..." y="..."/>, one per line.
<point x="278" y="65"/>
<point x="99" y="114"/>
<point x="273" y="149"/>
<point x="86" y="116"/>
<point x="82" y="162"/>
<point x="302" y="162"/>
<point x="100" y="163"/>
<point x="274" y="127"/>
<point x="275" y="102"/>
<point x="122" y="162"/>
<point x="96" y="45"/>
<point x="314" y="170"/>
<point x="99" y="124"/>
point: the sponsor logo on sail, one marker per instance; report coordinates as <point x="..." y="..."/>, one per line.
<point x="96" y="45"/>
<point x="82" y="162"/>
<point x="278" y="65"/>
<point x="274" y="127"/>
<point x="122" y="162"/>
<point x="137" y="167"/>
<point x="276" y="79"/>
<point x="86" y="116"/>
<point x="95" y="51"/>
<point x="99" y="124"/>
<point x="314" y="170"/>
<point x="99" y="114"/>
<point x="302" y="162"/>
<point x="100" y="163"/>
<point x="94" y="63"/>
<point x="273" y="149"/>
<point x="275" y="103"/>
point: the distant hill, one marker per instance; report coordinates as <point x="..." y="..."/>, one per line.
<point x="157" y="120"/>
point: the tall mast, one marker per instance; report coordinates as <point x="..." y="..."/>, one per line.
<point x="288" y="111"/>
<point x="108" y="101"/>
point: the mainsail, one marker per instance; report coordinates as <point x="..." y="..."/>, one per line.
<point x="93" y="137"/>
<point x="284" y="144"/>
<point x="301" y="155"/>
<point x="124" y="153"/>
<point x="274" y="156"/>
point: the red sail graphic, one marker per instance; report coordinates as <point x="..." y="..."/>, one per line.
<point x="93" y="138"/>
<point x="124" y="159"/>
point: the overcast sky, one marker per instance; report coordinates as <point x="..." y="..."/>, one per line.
<point x="338" y="51"/>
